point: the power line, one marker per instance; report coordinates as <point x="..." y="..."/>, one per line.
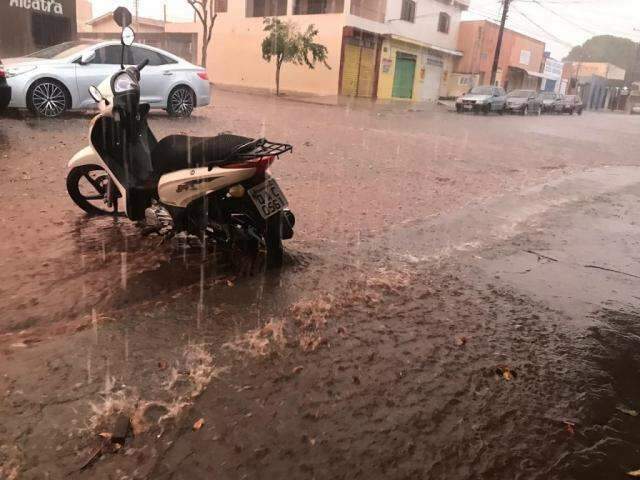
<point x="551" y="35"/>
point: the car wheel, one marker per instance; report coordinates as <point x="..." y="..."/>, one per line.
<point x="181" y="102"/>
<point x="486" y="109"/>
<point x="48" y="98"/>
<point x="580" y="112"/>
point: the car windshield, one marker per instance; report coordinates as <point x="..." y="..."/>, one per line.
<point x="481" y="91"/>
<point x="520" y="94"/>
<point x="61" y="50"/>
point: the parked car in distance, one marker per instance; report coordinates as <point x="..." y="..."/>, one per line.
<point x="524" y="102"/>
<point x="483" y="98"/>
<point x="572" y="104"/>
<point x="56" y="79"/>
<point x="634" y="102"/>
<point x="551" y="102"/>
<point x="5" y="89"/>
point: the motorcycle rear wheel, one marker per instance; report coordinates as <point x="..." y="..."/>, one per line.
<point x="273" y="241"/>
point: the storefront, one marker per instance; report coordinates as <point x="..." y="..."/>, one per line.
<point x="30" y="25"/>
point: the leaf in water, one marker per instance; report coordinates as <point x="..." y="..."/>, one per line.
<point x="628" y="411"/>
<point x="198" y="425"/>
<point x="569" y="427"/>
<point x="460" y="341"/>
<point x="634" y="473"/>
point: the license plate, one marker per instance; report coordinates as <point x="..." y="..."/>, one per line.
<point x="268" y="198"/>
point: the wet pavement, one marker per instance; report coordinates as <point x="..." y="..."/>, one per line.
<point x="459" y="302"/>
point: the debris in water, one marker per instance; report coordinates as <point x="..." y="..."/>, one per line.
<point x="628" y="411"/>
<point x="297" y="369"/>
<point x="634" y="473"/>
<point x="198" y="425"/>
<point x="569" y="427"/>
<point x="121" y="430"/>
<point x="461" y="341"/>
<point x="506" y="373"/>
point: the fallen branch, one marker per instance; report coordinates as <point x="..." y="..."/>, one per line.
<point x="612" y="270"/>
<point x="539" y="255"/>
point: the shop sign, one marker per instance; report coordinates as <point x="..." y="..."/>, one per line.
<point x="386" y="65"/>
<point x="43" y="6"/>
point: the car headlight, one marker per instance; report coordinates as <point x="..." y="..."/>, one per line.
<point x="123" y="83"/>
<point x="19" y="70"/>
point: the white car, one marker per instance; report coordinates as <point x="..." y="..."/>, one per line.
<point x="56" y="79"/>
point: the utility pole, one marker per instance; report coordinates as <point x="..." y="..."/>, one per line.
<point x="496" y="57"/>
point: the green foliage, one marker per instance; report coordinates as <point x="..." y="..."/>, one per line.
<point x="606" y="48"/>
<point x="286" y="44"/>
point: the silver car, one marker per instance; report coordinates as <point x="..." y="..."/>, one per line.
<point x="483" y="98"/>
<point x="56" y="79"/>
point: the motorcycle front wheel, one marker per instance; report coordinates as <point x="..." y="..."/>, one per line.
<point x="87" y="186"/>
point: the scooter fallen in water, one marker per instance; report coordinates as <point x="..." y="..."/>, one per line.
<point x="217" y="189"/>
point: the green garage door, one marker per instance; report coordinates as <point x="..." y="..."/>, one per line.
<point x="404" y="76"/>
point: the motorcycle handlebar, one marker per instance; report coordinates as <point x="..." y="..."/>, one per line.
<point x="142" y="64"/>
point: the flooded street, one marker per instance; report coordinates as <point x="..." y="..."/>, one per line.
<point x="456" y="303"/>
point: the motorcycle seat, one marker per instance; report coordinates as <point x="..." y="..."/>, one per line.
<point x="179" y="152"/>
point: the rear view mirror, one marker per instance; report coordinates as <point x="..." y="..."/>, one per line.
<point x="122" y="17"/>
<point x="128" y="36"/>
<point x="95" y="94"/>
<point x="87" y="57"/>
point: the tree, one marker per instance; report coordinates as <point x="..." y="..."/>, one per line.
<point x="287" y="45"/>
<point x="205" y="11"/>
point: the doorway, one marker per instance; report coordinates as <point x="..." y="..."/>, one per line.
<point x="404" y="75"/>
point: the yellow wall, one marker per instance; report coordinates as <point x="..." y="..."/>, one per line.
<point x="235" y="56"/>
<point x="385" y="80"/>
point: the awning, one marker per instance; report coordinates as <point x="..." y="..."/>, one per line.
<point x="528" y="72"/>
<point x="430" y="46"/>
<point x="535" y="74"/>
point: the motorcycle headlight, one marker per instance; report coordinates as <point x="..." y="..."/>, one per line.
<point x="124" y="83"/>
<point x="18" y="70"/>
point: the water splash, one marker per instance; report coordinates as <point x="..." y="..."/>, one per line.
<point x="123" y="270"/>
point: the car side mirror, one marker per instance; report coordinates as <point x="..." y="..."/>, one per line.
<point x="87" y="57"/>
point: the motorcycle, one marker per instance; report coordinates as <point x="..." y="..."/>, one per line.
<point x="216" y="189"/>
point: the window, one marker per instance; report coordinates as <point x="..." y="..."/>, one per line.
<point x="266" y="8"/>
<point x="139" y="54"/>
<point x="408" y="11"/>
<point x="221" y="6"/>
<point x="444" y="21"/>
<point x="312" y="7"/>
<point x="110" y="55"/>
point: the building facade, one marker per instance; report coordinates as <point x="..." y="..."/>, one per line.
<point x="376" y="48"/>
<point x="552" y="81"/>
<point x="30" y="25"/>
<point x="599" y="84"/>
<point x="521" y="59"/>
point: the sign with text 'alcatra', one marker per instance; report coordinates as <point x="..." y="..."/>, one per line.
<point x="42" y="6"/>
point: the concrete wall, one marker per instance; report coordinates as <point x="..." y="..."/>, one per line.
<point x="425" y="28"/>
<point x="390" y="48"/>
<point x="478" y="39"/>
<point x="235" y="56"/>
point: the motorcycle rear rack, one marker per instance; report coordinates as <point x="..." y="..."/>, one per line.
<point x="254" y="150"/>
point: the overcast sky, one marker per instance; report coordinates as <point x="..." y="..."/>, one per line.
<point x="561" y="24"/>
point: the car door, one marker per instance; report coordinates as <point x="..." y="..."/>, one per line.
<point x="499" y="99"/>
<point x="156" y="78"/>
<point x="105" y="63"/>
